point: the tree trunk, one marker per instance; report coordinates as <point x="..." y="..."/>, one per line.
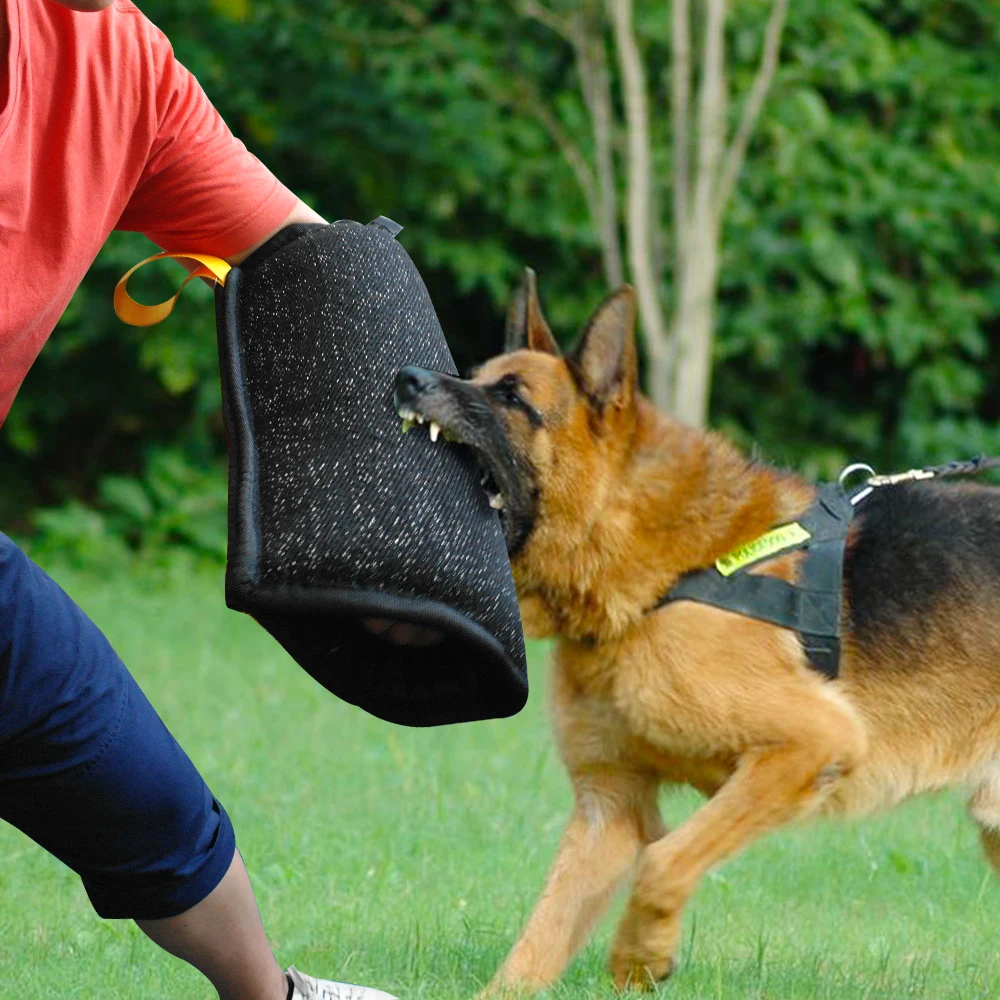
<point x="698" y="257"/>
<point x="704" y="175"/>
<point x="698" y="251"/>
<point x="694" y="325"/>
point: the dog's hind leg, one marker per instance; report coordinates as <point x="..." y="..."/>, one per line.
<point x="614" y="816"/>
<point x="984" y="807"/>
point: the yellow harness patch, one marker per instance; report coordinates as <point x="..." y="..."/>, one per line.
<point x="777" y="540"/>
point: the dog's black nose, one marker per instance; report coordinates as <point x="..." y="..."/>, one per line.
<point x="412" y="381"/>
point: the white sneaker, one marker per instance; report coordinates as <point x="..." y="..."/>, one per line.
<point x="307" y="988"/>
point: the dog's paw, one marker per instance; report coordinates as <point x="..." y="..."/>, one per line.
<point x="643" y="951"/>
<point x="634" y="972"/>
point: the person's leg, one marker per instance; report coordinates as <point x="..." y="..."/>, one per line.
<point x="89" y="771"/>
<point x="223" y="937"/>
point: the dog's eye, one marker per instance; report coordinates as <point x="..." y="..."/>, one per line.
<point x="507" y="389"/>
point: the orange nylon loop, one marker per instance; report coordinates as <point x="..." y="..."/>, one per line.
<point x="136" y="314"/>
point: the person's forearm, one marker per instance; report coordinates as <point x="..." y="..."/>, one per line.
<point x="301" y="213"/>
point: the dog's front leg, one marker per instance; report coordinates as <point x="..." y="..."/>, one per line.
<point x="615" y="815"/>
<point x="771" y="786"/>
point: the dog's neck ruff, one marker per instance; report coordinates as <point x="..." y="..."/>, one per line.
<point x="812" y="606"/>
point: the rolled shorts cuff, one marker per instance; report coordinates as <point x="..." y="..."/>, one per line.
<point x="114" y="899"/>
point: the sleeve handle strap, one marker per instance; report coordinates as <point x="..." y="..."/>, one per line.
<point x="136" y="314"/>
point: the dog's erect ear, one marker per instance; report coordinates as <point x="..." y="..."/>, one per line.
<point x="604" y="360"/>
<point x="526" y="326"/>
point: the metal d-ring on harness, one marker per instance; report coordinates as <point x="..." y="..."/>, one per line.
<point x="812" y="606"/>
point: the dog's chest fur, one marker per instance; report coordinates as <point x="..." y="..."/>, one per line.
<point x="622" y="704"/>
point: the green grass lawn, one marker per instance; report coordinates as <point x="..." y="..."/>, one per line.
<point x="407" y="859"/>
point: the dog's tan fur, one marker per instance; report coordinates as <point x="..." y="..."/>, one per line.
<point x="628" y="501"/>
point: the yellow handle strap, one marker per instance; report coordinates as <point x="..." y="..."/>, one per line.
<point x="136" y="314"/>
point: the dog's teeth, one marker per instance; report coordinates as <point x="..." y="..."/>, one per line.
<point x="407" y="424"/>
<point x="496" y="501"/>
<point x="418" y="417"/>
<point x="435" y="430"/>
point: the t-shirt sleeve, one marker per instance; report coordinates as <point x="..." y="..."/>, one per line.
<point x="201" y="188"/>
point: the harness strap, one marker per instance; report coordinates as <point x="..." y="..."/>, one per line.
<point x="812" y="607"/>
<point x="763" y="597"/>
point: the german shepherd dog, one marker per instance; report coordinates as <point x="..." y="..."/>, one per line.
<point x="605" y="502"/>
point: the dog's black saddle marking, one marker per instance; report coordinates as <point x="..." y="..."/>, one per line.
<point x="812" y="606"/>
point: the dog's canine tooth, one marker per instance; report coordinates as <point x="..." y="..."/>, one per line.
<point x="435" y="430"/>
<point x="407" y="423"/>
<point x="496" y="501"/>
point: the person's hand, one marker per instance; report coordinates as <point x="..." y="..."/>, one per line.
<point x="401" y="633"/>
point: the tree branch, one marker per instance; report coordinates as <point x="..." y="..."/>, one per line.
<point x="411" y="14"/>
<point x="570" y="150"/>
<point x="592" y="66"/>
<point x="753" y="104"/>
<point x="711" y="111"/>
<point x="640" y="244"/>
<point x="588" y="48"/>
<point x="545" y="15"/>
<point x="680" y="100"/>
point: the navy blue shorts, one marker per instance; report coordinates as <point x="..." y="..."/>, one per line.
<point x="87" y="769"/>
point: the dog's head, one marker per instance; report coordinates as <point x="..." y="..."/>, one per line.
<point x="545" y="426"/>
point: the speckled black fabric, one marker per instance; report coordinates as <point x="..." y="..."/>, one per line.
<point x="334" y="513"/>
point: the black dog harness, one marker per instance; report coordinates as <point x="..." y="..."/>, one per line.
<point x="811" y="607"/>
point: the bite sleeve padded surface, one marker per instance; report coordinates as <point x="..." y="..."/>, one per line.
<point x="333" y="512"/>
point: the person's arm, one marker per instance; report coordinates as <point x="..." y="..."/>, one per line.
<point x="301" y="213"/>
<point x="201" y="190"/>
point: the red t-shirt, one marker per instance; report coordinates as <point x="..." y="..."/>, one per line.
<point x="103" y="129"/>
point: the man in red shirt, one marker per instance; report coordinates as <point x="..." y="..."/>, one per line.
<point x="101" y="129"/>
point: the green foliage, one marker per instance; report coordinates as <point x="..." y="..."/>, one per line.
<point x="860" y="300"/>
<point x="173" y="503"/>
<point x="77" y="534"/>
<point x="862" y="271"/>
